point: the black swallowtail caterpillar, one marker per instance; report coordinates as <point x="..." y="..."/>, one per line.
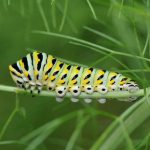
<point x="37" y="70"/>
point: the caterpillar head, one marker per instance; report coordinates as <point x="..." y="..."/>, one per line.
<point x="131" y="86"/>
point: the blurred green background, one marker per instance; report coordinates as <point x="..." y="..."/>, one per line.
<point x="121" y="27"/>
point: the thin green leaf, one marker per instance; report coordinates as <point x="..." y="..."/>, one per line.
<point x="91" y="44"/>
<point x="80" y="124"/>
<point x="47" y="127"/>
<point x="10" y="118"/>
<point x="43" y="15"/>
<point x="92" y="9"/>
<point x="104" y="36"/>
<point x="64" y="15"/>
<point x="114" y="131"/>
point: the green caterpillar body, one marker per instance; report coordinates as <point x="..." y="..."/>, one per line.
<point x="38" y="70"/>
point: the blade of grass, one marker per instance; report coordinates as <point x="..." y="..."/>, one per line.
<point x="143" y="142"/>
<point x="91" y="44"/>
<point x="70" y="62"/>
<point x="80" y="124"/>
<point x="118" y="61"/>
<point x="113" y="133"/>
<point x="10" y="118"/>
<point x="48" y="130"/>
<point x="48" y="126"/>
<point x="52" y="2"/>
<point x="104" y="35"/>
<point x="126" y="136"/>
<point x="33" y="145"/>
<point x="135" y="10"/>
<point x="9" y="142"/>
<point x="53" y="13"/>
<point x="99" y="60"/>
<point x="63" y="142"/>
<point x="92" y="9"/>
<point x="9" y="1"/>
<point x="64" y="16"/>
<point x="30" y="50"/>
<point x="39" y="5"/>
<point x="121" y="6"/>
<point x="146" y="44"/>
<point x="70" y="22"/>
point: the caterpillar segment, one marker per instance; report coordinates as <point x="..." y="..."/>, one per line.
<point x="74" y="81"/>
<point x="100" y="81"/>
<point x="52" y="77"/>
<point x="39" y="61"/>
<point x="61" y="86"/>
<point x="38" y="70"/>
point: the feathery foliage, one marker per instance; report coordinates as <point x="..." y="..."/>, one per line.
<point x="113" y="35"/>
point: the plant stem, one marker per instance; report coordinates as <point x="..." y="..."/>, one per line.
<point x="96" y="95"/>
<point x="11" y="116"/>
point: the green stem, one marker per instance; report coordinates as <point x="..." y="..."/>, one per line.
<point x="114" y="94"/>
<point x="11" y="116"/>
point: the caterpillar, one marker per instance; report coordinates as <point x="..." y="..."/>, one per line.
<point x="37" y="70"/>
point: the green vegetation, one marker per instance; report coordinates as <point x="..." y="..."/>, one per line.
<point x="113" y="35"/>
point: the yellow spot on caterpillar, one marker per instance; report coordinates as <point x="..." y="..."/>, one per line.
<point x="111" y="82"/>
<point x="85" y="81"/>
<point x="122" y="82"/>
<point x="77" y="71"/>
<point x="49" y="63"/>
<point x="74" y="81"/>
<point x="36" y="72"/>
<point x="36" y="58"/>
<point x="89" y="71"/>
<point x="58" y="67"/>
<point x="113" y="73"/>
<point x="21" y="64"/>
<point x="13" y="70"/>
<point x="46" y="77"/>
<point x="99" y="82"/>
<point x="101" y="72"/>
<point x="61" y="81"/>
<point x="26" y="73"/>
<point x="52" y="78"/>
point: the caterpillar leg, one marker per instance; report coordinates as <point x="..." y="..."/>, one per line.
<point x="26" y="83"/>
<point x="102" y="89"/>
<point x="59" y="99"/>
<point x="75" y="91"/>
<point x="102" y="100"/>
<point x="73" y="99"/>
<point x="132" y="98"/>
<point x="60" y="91"/>
<point x="89" y="89"/>
<point x="87" y="100"/>
<point x="112" y="88"/>
<point x="39" y="87"/>
<point x="129" y="99"/>
<point x="50" y="86"/>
